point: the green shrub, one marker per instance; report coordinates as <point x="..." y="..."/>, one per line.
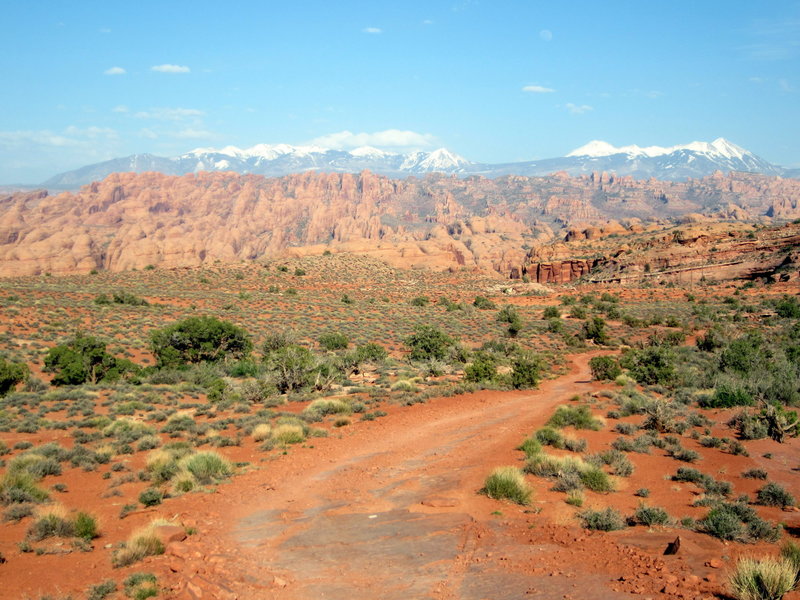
<point x="83" y="359"/>
<point x="151" y="497"/>
<point x="727" y="395"/>
<point x="602" y="520"/>
<point x="207" y="467"/>
<point x="654" y="365"/>
<point x="754" y="473"/>
<point x="141" y="586"/>
<point x="102" y="590"/>
<point x="199" y="339"/>
<point x="20" y="487"/>
<point x="482" y="368"/>
<point x="762" y="579"/>
<point x="651" y="515"/>
<point x="596" y="480"/>
<point x="11" y="374"/>
<point x="530" y="447"/>
<point x="595" y="329"/>
<point x="605" y="368"/>
<point x="773" y="494"/>
<point x="428" y="342"/>
<point x="483" y="303"/>
<point x="86" y="526"/>
<point x="547" y="436"/>
<point x="526" y="370"/>
<point x="579" y="417"/>
<point x="508" y="483"/>
<point x="420" y="301"/>
<point x="551" y="312"/>
<point x="333" y="341"/>
<point x="722" y="523"/>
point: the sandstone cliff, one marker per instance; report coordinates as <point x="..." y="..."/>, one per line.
<point x="132" y="220"/>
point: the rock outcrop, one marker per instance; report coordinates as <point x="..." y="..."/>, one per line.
<point x="129" y="221"/>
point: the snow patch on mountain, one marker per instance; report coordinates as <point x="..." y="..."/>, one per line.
<point x="719" y="147"/>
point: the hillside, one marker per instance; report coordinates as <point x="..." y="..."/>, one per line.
<point x="130" y="221"/>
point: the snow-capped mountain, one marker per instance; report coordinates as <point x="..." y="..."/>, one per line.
<point x="696" y="159"/>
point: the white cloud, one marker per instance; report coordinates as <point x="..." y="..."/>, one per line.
<point x="537" y="89"/>
<point x="427" y="22"/>
<point x="170" y="114"/>
<point x="167" y="68"/>
<point x="115" y="71"/>
<point x="372" y="30"/>
<point x="120" y="108"/>
<point x="91" y="133"/>
<point x="148" y="133"/>
<point x="389" y="138"/>
<point x="546" y="35"/>
<point x="785" y="85"/>
<point x="578" y="109"/>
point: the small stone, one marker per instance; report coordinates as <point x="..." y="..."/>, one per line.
<point x="279" y="582"/>
<point x="714" y="563"/>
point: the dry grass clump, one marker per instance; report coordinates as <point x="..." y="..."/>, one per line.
<point x="261" y="432"/>
<point x="20" y="487"/>
<point x="329" y="406"/>
<point x="288" y="433"/>
<point x="762" y="579"/>
<point x="142" y="542"/>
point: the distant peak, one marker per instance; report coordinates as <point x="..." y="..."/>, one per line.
<point x="719" y="147"/>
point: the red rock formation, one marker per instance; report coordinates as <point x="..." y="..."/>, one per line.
<point x="132" y="220"/>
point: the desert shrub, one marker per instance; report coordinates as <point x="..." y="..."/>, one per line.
<point x="744" y="355"/>
<point x="651" y="515"/>
<point x="101" y="590"/>
<point x="85" y="526"/>
<point x="711" y="340"/>
<point x="142" y="542"/>
<point x="17" y="512"/>
<point x="278" y="339"/>
<point x="654" y="365"/>
<point x="50" y="522"/>
<point x="755" y="473"/>
<point x="420" y="301"/>
<point x="371" y="352"/>
<point x="547" y="436"/>
<point x="575" y="444"/>
<point x="328" y="406"/>
<point x="483" y="303"/>
<point x="773" y="494"/>
<point x="530" y="447"/>
<point x="82" y="359"/>
<point x="579" y="417"/>
<point x="508" y="483"/>
<point x="199" y="339"/>
<point x="595" y="329"/>
<point x="779" y="421"/>
<point x="11" y="374"/>
<point x="292" y="367"/>
<point x="722" y="523"/>
<point x="596" y="480"/>
<point x="762" y="579"/>
<point x="428" y="342"/>
<point x="526" y="370"/>
<point x="567" y="481"/>
<point x="684" y="454"/>
<point x="151" y="497"/>
<point x="20" y="487"/>
<point x="288" y="433"/>
<point x="602" y="520"/>
<point x="483" y="367"/>
<point x="727" y="395"/>
<point x="748" y="426"/>
<point x="333" y="340"/>
<point x="207" y="467"/>
<point x="546" y="465"/>
<point x="36" y="465"/>
<point x="605" y="368"/>
<point x="551" y="312"/>
<point x="626" y="428"/>
<point x="791" y="553"/>
<point x="660" y="416"/>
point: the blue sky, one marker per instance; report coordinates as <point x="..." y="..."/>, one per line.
<point x="494" y="81"/>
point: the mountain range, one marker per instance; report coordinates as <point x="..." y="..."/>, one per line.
<point x="676" y="163"/>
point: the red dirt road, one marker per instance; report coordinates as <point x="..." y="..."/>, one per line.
<point x="390" y="510"/>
